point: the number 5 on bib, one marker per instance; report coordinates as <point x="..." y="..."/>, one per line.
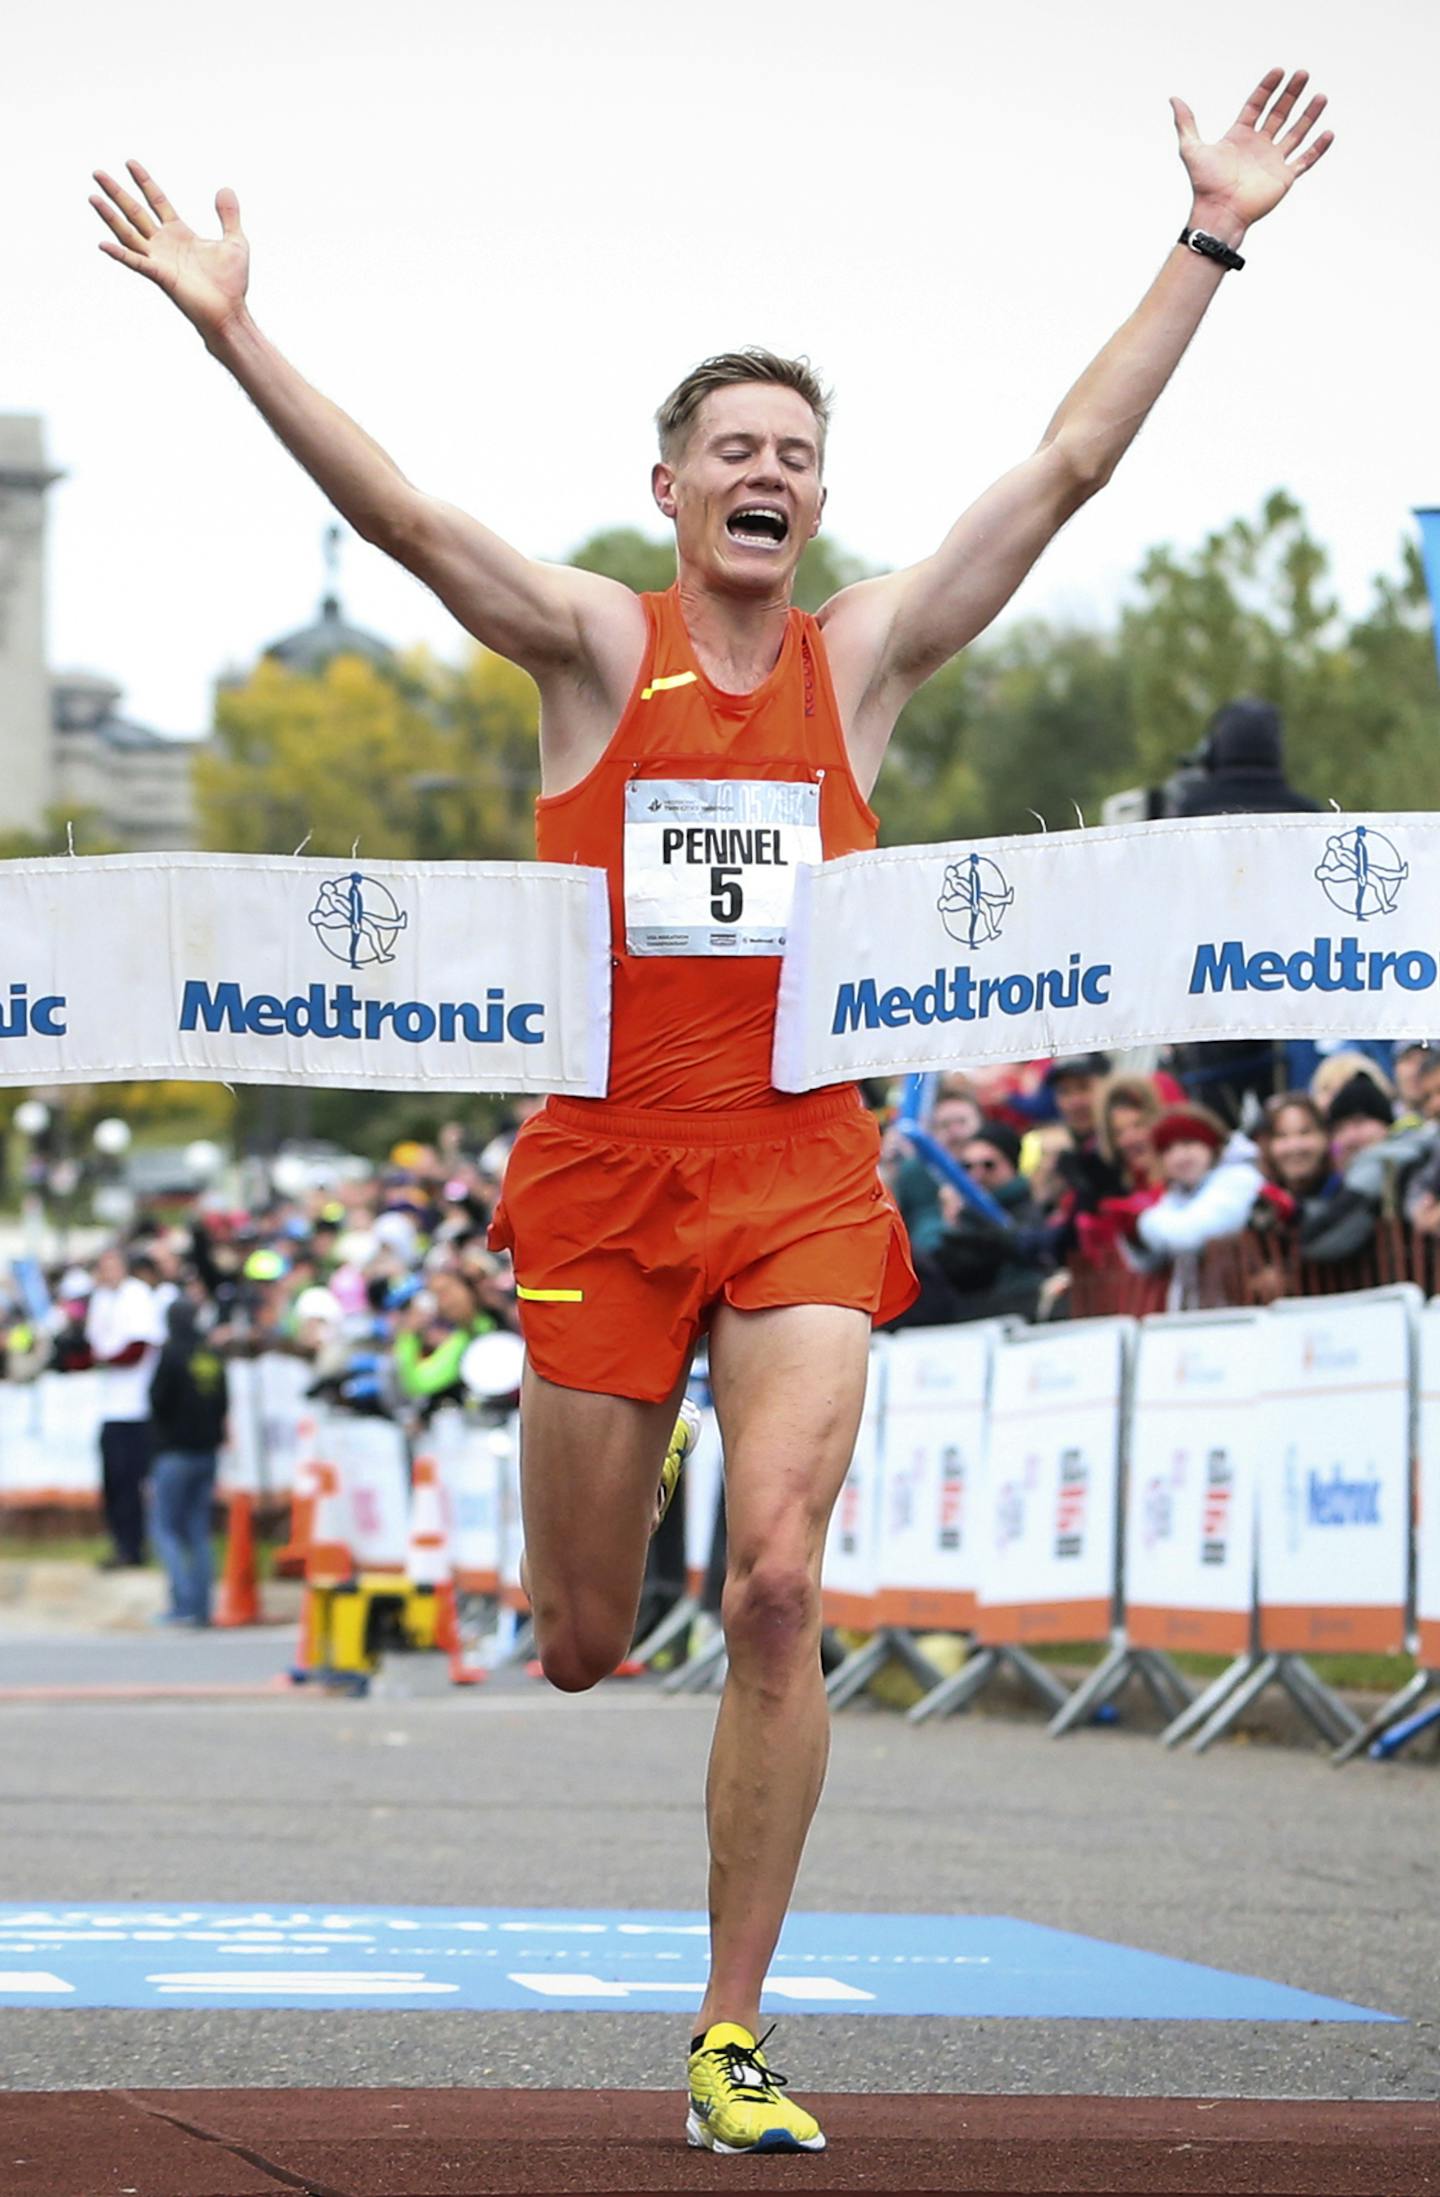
<point x="710" y="863"/>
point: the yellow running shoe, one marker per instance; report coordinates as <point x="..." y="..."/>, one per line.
<point x="682" y="1441"/>
<point x="735" y="2101"/>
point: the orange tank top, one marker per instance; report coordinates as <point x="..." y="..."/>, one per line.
<point x="699" y="809"/>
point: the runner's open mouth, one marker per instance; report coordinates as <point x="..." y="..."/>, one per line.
<point x="759" y="524"/>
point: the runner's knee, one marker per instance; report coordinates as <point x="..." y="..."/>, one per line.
<point x="578" y="1649"/>
<point x="771" y="1611"/>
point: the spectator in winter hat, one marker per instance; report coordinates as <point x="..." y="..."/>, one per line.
<point x="1211" y="1183"/>
<point x="1358" y="1115"/>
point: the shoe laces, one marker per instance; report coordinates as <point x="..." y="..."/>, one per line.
<point x="746" y="2074"/>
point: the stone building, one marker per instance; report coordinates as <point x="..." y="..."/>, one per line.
<point x="65" y="744"/>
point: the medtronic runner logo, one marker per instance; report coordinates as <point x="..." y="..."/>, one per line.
<point x="973" y="899"/>
<point x="1361" y="873"/>
<point x="355" y="919"/>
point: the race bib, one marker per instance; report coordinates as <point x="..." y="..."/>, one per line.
<point x="710" y="862"/>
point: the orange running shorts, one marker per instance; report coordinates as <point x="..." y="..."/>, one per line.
<point x="628" y="1229"/>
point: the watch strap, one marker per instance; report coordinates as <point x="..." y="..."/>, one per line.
<point x="1210" y="247"/>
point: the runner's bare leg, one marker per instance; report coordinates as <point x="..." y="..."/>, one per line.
<point x="789" y="1385"/>
<point x="590" y="1466"/>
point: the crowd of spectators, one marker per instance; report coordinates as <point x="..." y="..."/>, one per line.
<point x="380" y="1283"/>
<point x="380" y="1280"/>
<point x="1102" y="1171"/>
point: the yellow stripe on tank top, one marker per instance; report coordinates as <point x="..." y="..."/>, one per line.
<point x="550" y="1296"/>
<point x="674" y="679"/>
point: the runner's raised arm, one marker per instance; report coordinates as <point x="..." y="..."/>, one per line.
<point x="530" y="612"/>
<point x="887" y="635"/>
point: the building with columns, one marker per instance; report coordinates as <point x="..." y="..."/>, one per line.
<point x="65" y="743"/>
<point x="27" y="739"/>
<point x="66" y="746"/>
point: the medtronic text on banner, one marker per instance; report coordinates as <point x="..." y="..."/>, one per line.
<point x="1233" y="927"/>
<point x="458" y="976"/>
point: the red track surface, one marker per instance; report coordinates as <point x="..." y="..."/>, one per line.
<point x="477" y="2143"/>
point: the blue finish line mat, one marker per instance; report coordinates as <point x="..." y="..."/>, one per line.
<point x="508" y="1959"/>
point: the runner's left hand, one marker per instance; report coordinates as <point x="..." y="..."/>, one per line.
<point x="1248" y="172"/>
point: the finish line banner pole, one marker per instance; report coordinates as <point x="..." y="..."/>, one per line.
<point x="397" y="976"/>
<point x="909" y="958"/>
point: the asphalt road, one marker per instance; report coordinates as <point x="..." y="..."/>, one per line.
<point x="1257" y="1858"/>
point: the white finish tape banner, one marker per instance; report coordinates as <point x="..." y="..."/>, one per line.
<point x="1334" y="1510"/>
<point x="440" y="976"/>
<point x="1427" y="1538"/>
<point x="1006" y="949"/>
<point x="1190" y="1509"/>
<point x="852" y="1547"/>
<point x="1048" y="1512"/>
<point x="937" y="1395"/>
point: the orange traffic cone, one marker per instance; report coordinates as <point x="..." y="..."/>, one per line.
<point x="427" y="1565"/>
<point x="427" y="1559"/>
<point x="239" y="1602"/>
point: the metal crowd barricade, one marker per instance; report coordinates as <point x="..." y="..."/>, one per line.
<point x="1050" y="1507"/>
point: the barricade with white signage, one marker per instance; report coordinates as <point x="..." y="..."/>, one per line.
<point x="1048" y="1514"/>
<point x="1427" y="1548"/>
<point x="1188" y="1563"/>
<point x="268" y="1406"/>
<point x="374" y="1468"/>
<point x="852" y="1544"/>
<point x="469" y="1458"/>
<point x="936" y="1401"/>
<point x="50" y="1434"/>
<point x="49" y="1441"/>
<point x="1012" y="949"/>
<point x="1393" y="1725"/>
<point x="1333" y="1514"/>
<point x="1189" y="1567"/>
<point x="443" y="976"/>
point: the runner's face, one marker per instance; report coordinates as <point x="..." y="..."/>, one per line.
<point x="753" y="456"/>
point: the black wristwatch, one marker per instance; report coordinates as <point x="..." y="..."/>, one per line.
<point x="1210" y="247"/>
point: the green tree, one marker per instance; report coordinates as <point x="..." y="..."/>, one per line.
<point x="437" y="763"/>
<point x="1251" y="612"/>
<point x="623" y="553"/>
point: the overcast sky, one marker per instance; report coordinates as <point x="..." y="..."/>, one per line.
<point x="498" y="233"/>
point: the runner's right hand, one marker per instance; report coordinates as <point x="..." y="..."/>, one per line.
<point x="205" y="277"/>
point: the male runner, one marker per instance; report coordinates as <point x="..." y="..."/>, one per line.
<point x="699" y="743"/>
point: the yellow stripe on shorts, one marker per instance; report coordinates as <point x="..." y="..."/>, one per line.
<point x="674" y="679"/>
<point x="550" y="1296"/>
